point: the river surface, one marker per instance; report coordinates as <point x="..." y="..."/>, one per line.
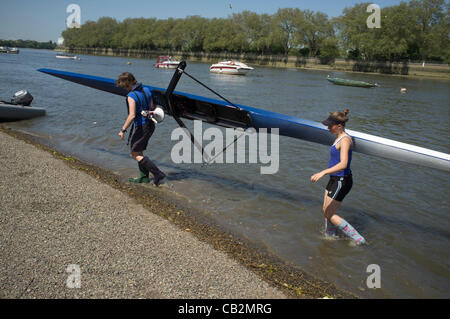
<point x="401" y="209"/>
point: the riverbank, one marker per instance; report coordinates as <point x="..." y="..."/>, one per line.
<point x="130" y="241"/>
<point x="410" y="70"/>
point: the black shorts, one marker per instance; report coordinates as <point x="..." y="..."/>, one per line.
<point x="338" y="187"/>
<point x="141" y="135"/>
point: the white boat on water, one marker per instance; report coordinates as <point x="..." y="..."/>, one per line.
<point x="9" y="50"/>
<point x="230" y="67"/>
<point x="166" y="62"/>
<point x="66" y="56"/>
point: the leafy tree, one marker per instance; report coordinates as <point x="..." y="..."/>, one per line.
<point x="415" y="30"/>
<point x="329" y="50"/>
<point x="285" y="26"/>
<point x="432" y="16"/>
<point x="194" y="33"/>
<point x="408" y="31"/>
<point x="28" y="44"/>
<point x="312" y="29"/>
<point x="213" y="42"/>
<point x="352" y="29"/>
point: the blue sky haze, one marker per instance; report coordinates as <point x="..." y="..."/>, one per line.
<point x="44" y="20"/>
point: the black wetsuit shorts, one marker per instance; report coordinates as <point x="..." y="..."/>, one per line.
<point x="338" y="187"/>
<point x="141" y="135"/>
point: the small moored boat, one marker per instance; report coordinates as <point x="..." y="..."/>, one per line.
<point x="9" y="50"/>
<point x="230" y="67"/>
<point x="166" y="62"/>
<point x="66" y="56"/>
<point x="347" y="82"/>
<point x="19" y="108"/>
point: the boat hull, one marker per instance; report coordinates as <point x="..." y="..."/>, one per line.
<point x="66" y="57"/>
<point x="290" y="126"/>
<point x="166" y="66"/>
<point x="10" y="112"/>
<point x="345" y="82"/>
<point x="228" y="70"/>
<point x="9" y="50"/>
<point x="166" y="62"/>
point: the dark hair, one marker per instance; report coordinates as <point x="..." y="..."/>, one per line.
<point x="340" y="116"/>
<point x="126" y="80"/>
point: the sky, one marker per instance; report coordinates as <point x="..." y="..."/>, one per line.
<point x="44" y="20"/>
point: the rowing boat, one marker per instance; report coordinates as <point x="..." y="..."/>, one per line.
<point x="226" y="114"/>
<point x="347" y="82"/>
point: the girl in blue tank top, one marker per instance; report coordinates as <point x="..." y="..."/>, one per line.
<point x="341" y="180"/>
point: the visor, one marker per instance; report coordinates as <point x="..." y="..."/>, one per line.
<point x="332" y="121"/>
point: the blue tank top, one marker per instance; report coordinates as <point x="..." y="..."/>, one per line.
<point x="143" y="102"/>
<point x="335" y="158"/>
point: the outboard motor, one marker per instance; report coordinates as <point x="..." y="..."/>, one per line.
<point x="22" y="97"/>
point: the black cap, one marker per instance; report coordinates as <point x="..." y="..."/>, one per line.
<point x="332" y="121"/>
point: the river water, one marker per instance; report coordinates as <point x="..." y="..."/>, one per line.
<point x="401" y="209"/>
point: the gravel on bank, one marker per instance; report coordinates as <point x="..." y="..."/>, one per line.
<point x="53" y="216"/>
<point x="123" y="236"/>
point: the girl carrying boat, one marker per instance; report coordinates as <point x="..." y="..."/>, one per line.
<point x="341" y="180"/>
<point x="139" y="99"/>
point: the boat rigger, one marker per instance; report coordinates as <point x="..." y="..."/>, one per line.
<point x="223" y="113"/>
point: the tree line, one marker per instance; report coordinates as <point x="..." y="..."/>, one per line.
<point x="28" y="44"/>
<point x="417" y="30"/>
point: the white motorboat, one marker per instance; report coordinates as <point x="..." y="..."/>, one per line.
<point x="230" y="67"/>
<point x="9" y="50"/>
<point x="66" y="56"/>
<point x="166" y="62"/>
